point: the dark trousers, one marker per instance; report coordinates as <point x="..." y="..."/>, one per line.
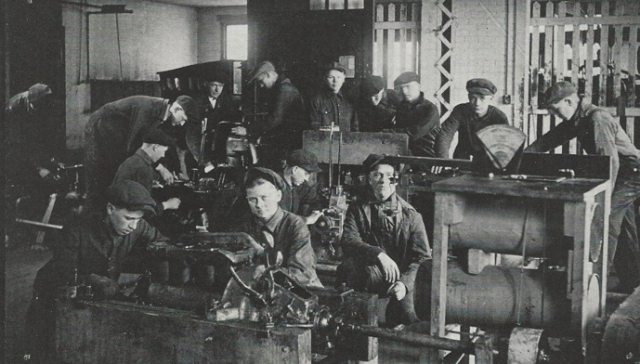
<point x="369" y="278"/>
<point x="624" y="249"/>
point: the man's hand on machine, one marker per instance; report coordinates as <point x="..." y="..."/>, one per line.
<point x="171" y="204"/>
<point x="166" y="175"/>
<point x="389" y="268"/>
<point x="239" y="130"/>
<point x="311" y="219"/>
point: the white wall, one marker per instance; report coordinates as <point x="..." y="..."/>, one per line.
<point x="210" y="22"/>
<point x="156" y="37"/>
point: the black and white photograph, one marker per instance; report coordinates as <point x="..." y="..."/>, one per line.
<point x="320" y="181"/>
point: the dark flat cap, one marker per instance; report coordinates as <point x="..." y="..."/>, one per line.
<point x="335" y="66"/>
<point x="216" y="76"/>
<point x="157" y="136"/>
<point x="265" y="174"/>
<point x="265" y="66"/>
<point x="191" y="108"/>
<point x="557" y="92"/>
<point x="38" y="92"/>
<point x="372" y="161"/>
<point x="371" y="86"/>
<point x="405" y="78"/>
<point x="303" y="159"/>
<point x="131" y="196"/>
<point x="481" y="86"/>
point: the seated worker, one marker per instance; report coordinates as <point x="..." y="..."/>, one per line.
<point x="416" y="116"/>
<point x="375" y="106"/>
<point x="601" y="134"/>
<point x="284" y="235"/>
<point x="299" y="197"/>
<point x="140" y="166"/>
<point x="114" y="132"/>
<point x="281" y="129"/>
<point x="467" y="119"/>
<point x="93" y="252"/>
<point x="331" y="106"/>
<point x="384" y="241"/>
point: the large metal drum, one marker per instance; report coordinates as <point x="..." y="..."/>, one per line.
<point x="506" y="225"/>
<point x="498" y="297"/>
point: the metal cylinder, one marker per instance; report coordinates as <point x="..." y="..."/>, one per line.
<point x="504" y="225"/>
<point x="410" y="338"/>
<point x="497" y="297"/>
<point x="182" y="298"/>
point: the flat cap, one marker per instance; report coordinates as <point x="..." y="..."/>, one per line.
<point x="557" y="92"/>
<point x="191" y="108"/>
<point x="372" y="161"/>
<point x="335" y="66"/>
<point x="481" y="86"/>
<point x="157" y="136"/>
<point x="131" y="195"/>
<point x="216" y="76"/>
<point x="405" y="78"/>
<point x="265" y="66"/>
<point x="371" y="86"/>
<point x="303" y="159"/>
<point x="265" y="174"/>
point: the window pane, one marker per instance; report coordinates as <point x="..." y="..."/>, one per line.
<point x="336" y="4"/>
<point x="356" y="4"/>
<point x="236" y="42"/>
<point x="317" y="4"/>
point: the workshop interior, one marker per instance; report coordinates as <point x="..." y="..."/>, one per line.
<point x="521" y="230"/>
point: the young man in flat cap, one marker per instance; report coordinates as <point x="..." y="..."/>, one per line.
<point x="299" y="197"/>
<point x="416" y="116"/>
<point x="601" y="134"/>
<point x="283" y="235"/>
<point x="375" y="107"/>
<point x="114" y="132"/>
<point x="384" y="240"/>
<point x="467" y="119"/>
<point x="140" y="166"/>
<point x="331" y="106"/>
<point x="281" y="129"/>
<point x="94" y="252"/>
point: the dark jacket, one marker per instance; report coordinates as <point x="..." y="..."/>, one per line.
<point x="285" y="114"/>
<point x="467" y="124"/>
<point x="300" y="200"/>
<point x="291" y="237"/>
<point x="328" y="107"/>
<point x="420" y="120"/>
<point x="113" y="133"/>
<point x="225" y="109"/>
<point x="139" y="168"/>
<point x="598" y="133"/>
<point x="410" y="244"/>
<point x="375" y="118"/>
<point x="92" y="248"/>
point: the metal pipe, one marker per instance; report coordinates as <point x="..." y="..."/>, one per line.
<point x="40" y="224"/>
<point x="410" y="338"/>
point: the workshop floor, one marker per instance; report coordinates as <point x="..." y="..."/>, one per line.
<point x="21" y="266"/>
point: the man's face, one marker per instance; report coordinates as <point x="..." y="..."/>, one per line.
<point x="267" y="80"/>
<point x="410" y="91"/>
<point x="123" y="221"/>
<point x="178" y="115"/>
<point x="480" y="103"/>
<point x="157" y="152"/>
<point x="214" y="89"/>
<point x="263" y="200"/>
<point x="380" y="179"/>
<point x="375" y="99"/>
<point x="335" y="80"/>
<point x="564" y="109"/>
<point x="299" y="175"/>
